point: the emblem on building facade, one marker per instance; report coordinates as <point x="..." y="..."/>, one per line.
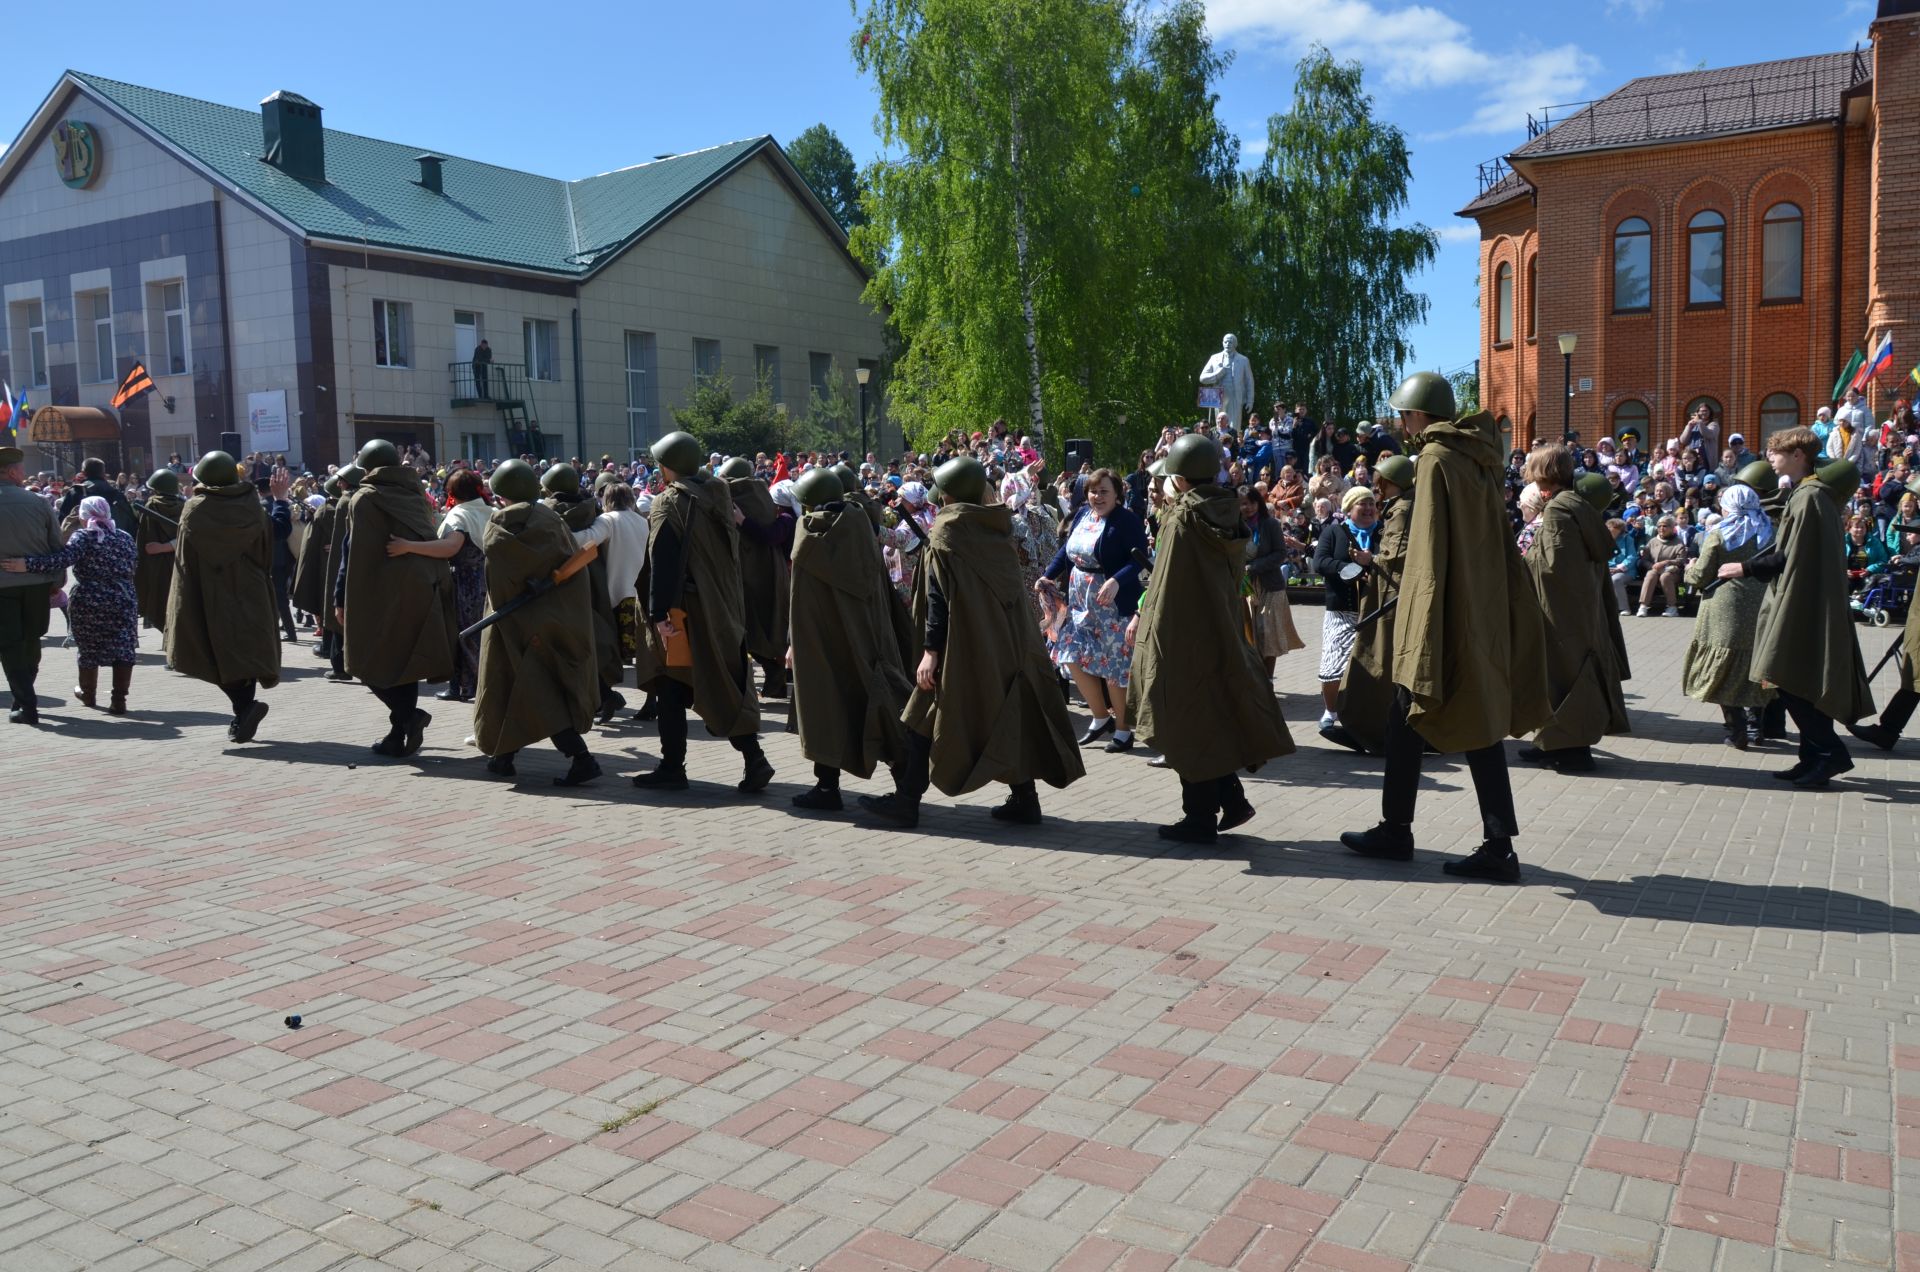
<point x="76" y="152"/>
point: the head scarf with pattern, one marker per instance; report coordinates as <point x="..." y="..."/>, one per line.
<point x="96" y="516"/>
<point x="1742" y="519"/>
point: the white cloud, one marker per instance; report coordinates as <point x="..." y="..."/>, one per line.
<point x="1641" y="9"/>
<point x="1415" y="46"/>
<point x="1459" y="233"/>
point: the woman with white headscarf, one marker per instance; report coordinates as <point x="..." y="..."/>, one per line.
<point x="1718" y="657"/>
<point x="103" y="606"/>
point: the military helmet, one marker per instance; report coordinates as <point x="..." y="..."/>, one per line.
<point x="164" y="482"/>
<point x="606" y="478"/>
<point x="1397" y="469"/>
<point x="680" y="452"/>
<point x="1196" y="457"/>
<point x="849" y="480"/>
<point x="516" y="482"/>
<point x="1841" y="479"/>
<point x="561" y="479"/>
<point x="216" y="468"/>
<point x="818" y="486"/>
<point x="1596" y="490"/>
<point x="350" y="477"/>
<point x="331" y="486"/>
<point x="962" y="480"/>
<point x="1158" y="468"/>
<point x="378" y="453"/>
<point x="1759" y="475"/>
<point x="738" y="466"/>
<point x="1426" y="391"/>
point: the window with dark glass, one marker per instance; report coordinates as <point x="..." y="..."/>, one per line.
<point x="1782" y="234"/>
<point x="1632" y="266"/>
<point x="1503" y="304"/>
<point x="1631" y="417"/>
<point x="1707" y="259"/>
<point x="1778" y="411"/>
<point x="1532" y="298"/>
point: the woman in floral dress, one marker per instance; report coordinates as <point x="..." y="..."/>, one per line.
<point x="102" y="606"/>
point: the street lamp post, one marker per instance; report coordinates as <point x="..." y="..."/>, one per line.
<point x="863" y="374"/>
<point x="1567" y="341"/>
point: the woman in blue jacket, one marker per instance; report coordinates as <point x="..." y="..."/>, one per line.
<point x="1096" y="559"/>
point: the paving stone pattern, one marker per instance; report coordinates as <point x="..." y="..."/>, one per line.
<point x="561" y="1030"/>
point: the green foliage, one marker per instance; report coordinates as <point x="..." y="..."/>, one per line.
<point x="1051" y="227"/>
<point x="832" y="421"/>
<point x="826" y="163"/>
<point x="1466" y="391"/>
<point x="744" y="427"/>
<point x="1330" y="271"/>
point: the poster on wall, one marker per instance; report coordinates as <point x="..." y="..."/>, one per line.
<point x="267" y="420"/>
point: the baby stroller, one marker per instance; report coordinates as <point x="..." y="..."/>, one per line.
<point x="1886" y="596"/>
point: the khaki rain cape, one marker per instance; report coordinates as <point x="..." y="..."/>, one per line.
<point x="995" y="714"/>
<point x="400" y="618"/>
<point x="849" y="683"/>
<point x="310" y="577"/>
<point x="763" y="571"/>
<point x="1468" y="639"/>
<point x="579" y="513"/>
<point x="536" y="664"/>
<point x="1198" y="692"/>
<point x="153" y="575"/>
<point x="1805" y="643"/>
<point x="221" y="624"/>
<point x="701" y="509"/>
<point x="1586" y="653"/>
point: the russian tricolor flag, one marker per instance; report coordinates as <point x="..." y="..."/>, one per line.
<point x="1881" y="360"/>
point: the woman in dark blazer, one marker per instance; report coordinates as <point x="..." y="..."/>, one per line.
<point x="1096" y="560"/>
<point x="1346" y="540"/>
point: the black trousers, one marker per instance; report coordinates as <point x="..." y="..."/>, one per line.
<point x="241" y="694"/>
<point x="1899" y="710"/>
<point x="1204" y="800"/>
<point x="1816" y="726"/>
<point x="568" y="742"/>
<point x="24" y="614"/>
<point x="283" y="596"/>
<point x="401" y="702"/>
<point x="914" y="774"/>
<point x="1401" y="786"/>
<point x="674" y="699"/>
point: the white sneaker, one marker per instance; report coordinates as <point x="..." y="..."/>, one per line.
<point x="1672" y="613"/>
<point x="1646" y="611"/>
<point x="1626" y="613"/>
<point x="1328" y="718"/>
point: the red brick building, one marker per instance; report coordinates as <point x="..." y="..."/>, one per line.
<point x="1730" y="235"/>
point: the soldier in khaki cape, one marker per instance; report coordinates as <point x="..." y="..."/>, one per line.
<point x="395" y="611"/>
<point x="159" y="525"/>
<point x="985" y="706"/>
<point x="1198" y="692"/>
<point x="537" y="677"/>
<point x="579" y="510"/>
<point x="694" y="570"/>
<point x="849" y="681"/>
<point x="1804" y="644"/>
<point x="1469" y="665"/>
<point x="221" y="621"/>
<point x="310" y="572"/>
<point x="333" y="639"/>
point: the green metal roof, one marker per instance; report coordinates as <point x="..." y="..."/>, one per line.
<point x="486" y="213"/>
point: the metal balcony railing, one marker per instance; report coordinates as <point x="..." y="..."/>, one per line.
<point x="505" y="384"/>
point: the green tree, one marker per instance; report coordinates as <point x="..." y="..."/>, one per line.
<point x="733" y="426"/>
<point x="826" y="163"/>
<point x="1329" y="266"/>
<point x="1051" y="229"/>
<point x="1466" y="389"/>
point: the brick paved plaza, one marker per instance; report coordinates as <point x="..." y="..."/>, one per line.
<point x="567" y="1030"/>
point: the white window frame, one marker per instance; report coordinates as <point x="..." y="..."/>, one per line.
<point x="702" y="344"/>
<point x="93" y="334"/>
<point x="393" y="318"/>
<point x="163" y="321"/>
<point x="542" y="363"/>
<point x="766" y="358"/>
<point x="35" y="324"/>
<point x="640" y="386"/>
<point x="819" y="374"/>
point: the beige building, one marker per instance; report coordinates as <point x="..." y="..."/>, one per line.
<point x="282" y="280"/>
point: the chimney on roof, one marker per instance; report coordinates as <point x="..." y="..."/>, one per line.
<point x="295" y="142"/>
<point x="430" y="172"/>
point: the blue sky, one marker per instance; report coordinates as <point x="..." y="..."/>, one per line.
<point x="589" y="85"/>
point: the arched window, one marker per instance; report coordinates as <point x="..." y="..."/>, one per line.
<point x="1631" y="417"/>
<point x="1503" y="304"/>
<point x="1505" y="427"/>
<point x="1532" y="298"/>
<point x="1632" y="267"/>
<point x="1782" y="232"/>
<point x="1707" y="259"/>
<point x="1778" y="411"/>
<point x="1711" y="405"/>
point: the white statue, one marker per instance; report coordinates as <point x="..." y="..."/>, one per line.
<point x="1231" y="373"/>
